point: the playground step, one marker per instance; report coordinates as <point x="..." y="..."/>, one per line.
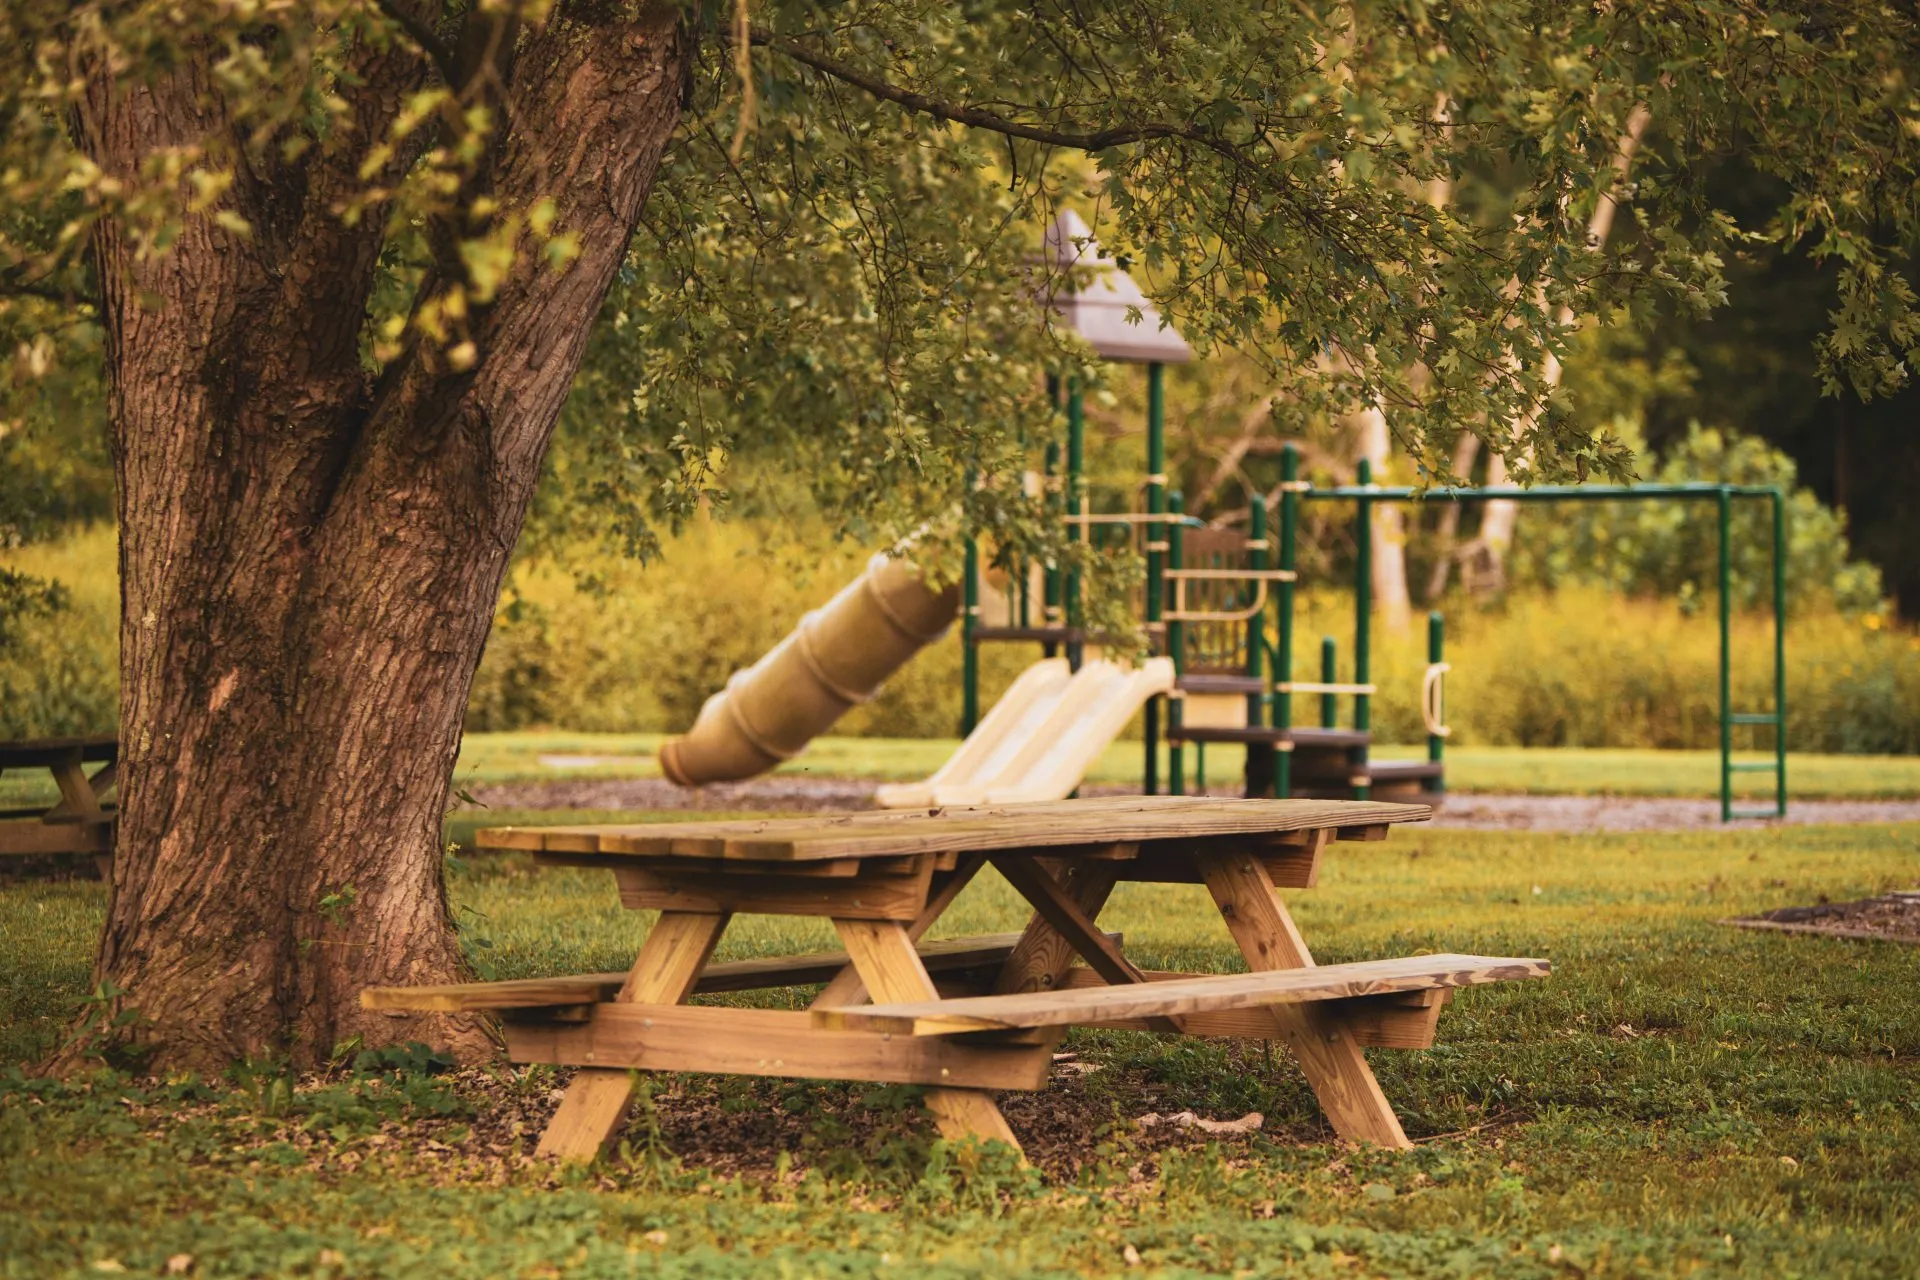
<point x="1222" y="684"/>
<point x="1394" y="770"/>
<point x="1310" y="739"/>
<point x="1304" y="740"/>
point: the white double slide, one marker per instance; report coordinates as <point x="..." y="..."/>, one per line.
<point x="1041" y="737"/>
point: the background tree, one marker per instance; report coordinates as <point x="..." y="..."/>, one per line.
<point x="347" y="258"/>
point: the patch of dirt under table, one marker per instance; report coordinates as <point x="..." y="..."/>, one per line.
<point x="1891" y="917"/>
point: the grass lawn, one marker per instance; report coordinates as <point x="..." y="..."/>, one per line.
<point x="1678" y="1099"/>
<point x="504" y="757"/>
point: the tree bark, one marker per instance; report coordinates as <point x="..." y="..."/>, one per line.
<point x="311" y="555"/>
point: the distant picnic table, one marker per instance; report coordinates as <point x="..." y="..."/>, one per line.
<point x="81" y="821"/>
<point x="964" y="1016"/>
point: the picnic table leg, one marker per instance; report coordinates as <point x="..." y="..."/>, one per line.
<point x="891" y="970"/>
<point x="670" y="962"/>
<point x="79" y="797"/>
<point x="1334" y="1063"/>
<point x="845" y="987"/>
<point x="1042" y="956"/>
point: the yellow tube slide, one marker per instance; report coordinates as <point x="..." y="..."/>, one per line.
<point x="834" y="660"/>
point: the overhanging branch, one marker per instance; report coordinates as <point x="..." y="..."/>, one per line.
<point x="426" y="39"/>
<point x="979" y="118"/>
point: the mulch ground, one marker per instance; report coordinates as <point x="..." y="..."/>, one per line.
<point x="1891" y="917"/>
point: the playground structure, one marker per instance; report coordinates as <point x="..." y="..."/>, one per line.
<point x="1219" y="670"/>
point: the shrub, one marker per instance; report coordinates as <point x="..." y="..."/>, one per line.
<point x="1671" y="548"/>
<point x="1584" y="667"/>
<point x="59" y="663"/>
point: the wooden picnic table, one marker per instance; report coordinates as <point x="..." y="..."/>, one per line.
<point x="965" y="1016"/>
<point x="80" y="821"/>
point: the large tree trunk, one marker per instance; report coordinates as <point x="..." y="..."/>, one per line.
<point x="311" y="556"/>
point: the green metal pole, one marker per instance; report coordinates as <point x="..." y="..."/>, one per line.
<point x="1176" y="649"/>
<point x="1156" y="555"/>
<point x="1436" y="745"/>
<point x="1258" y="774"/>
<point x="1076" y="505"/>
<point x="1257" y="624"/>
<point x="1780" y="652"/>
<point x="1329" y="672"/>
<point x="1724" y="508"/>
<point x="1283" y="650"/>
<point x="1050" y="585"/>
<point x="969" y="653"/>
<point x="1362" y="614"/>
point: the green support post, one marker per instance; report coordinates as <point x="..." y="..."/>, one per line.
<point x="1050" y="584"/>
<point x="1779" y="652"/>
<point x="1329" y="672"/>
<point x="1076" y="506"/>
<point x="1283" y="650"/>
<point x="1156" y="557"/>
<point x="1724" y="509"/>
<point x="1259" y="774"/>
<point x="1436" y="745"/>
<point x="969" y="652"/>
<point x="1176" y="649"/>
<point x="1362" y="615"/>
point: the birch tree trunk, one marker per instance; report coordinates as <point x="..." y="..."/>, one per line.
<point x="1389" y="521"/>
<point x="1498" y="520"/>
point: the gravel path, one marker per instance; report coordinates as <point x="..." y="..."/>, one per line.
<point x="1476" y="812"/>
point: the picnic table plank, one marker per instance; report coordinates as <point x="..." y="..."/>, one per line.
<point x="775" y="1042"/>
<point x="1062" y="824"/>
<point x="1398" y="1020"/>
<point x="33" y="753"/>
<point x="949" y="955"/>
<point x="1207" y="993"/>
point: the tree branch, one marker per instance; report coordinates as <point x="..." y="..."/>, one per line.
<point x="426" y="38"/>
<point x="16" y="283"/>
<point x="978" y="118"/>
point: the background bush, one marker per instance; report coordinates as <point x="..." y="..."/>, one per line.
<point x="639" y="649"/>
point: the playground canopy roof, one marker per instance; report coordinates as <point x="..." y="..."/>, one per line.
<point x="1103" y="304"/>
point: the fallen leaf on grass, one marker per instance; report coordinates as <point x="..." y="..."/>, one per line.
<point x="1248" y="1123"/>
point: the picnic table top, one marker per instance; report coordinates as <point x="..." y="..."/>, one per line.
<point x="986" y="828"/>
<point x="26" y="753"/>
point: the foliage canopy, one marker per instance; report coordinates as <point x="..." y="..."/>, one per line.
<point x="835" y="264"/>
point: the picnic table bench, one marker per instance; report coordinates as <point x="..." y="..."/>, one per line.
<point x="80" y="821"/>
<point x="963" y="1016"/>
